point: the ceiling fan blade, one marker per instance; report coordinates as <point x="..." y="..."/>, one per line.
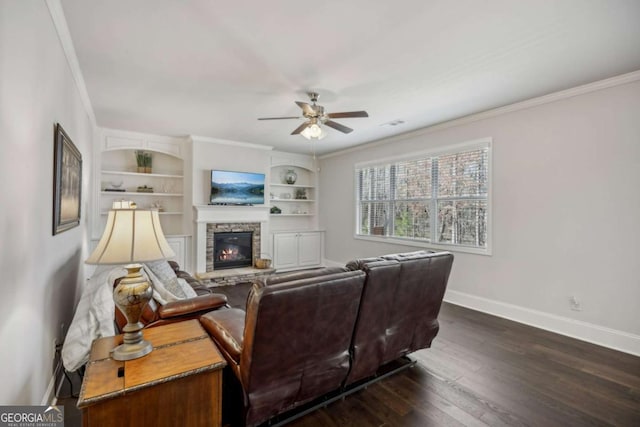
<point x="347" y="114"/>
<point x="300" y="128"/>
<point x="338" y="126"/>
<point x="278" y="118"/>
<point x="306" y="108"/>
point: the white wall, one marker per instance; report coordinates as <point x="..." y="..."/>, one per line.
<point x="41" y="273"/>
<point x="566" y="206"/>
<point x="209" y="153"/>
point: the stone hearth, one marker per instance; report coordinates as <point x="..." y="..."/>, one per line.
<point x="232" y="276"/>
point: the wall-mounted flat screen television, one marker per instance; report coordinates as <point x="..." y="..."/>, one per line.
<point x="236" y="188"/>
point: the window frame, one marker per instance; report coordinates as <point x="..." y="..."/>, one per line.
<point x="482" y="143"/>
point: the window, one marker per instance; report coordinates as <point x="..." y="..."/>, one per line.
<point x="435" y="198"/>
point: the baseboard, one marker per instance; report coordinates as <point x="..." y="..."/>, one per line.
<point x="584" y="331"/>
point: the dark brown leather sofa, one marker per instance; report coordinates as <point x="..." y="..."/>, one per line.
<point x="308" y="334"/>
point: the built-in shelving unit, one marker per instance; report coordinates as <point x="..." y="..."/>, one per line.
<point x="293" y="200"/>
<point x="297" y="243"/>
<point x="118" y="169"/>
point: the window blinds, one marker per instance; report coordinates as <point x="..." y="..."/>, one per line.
<point x="435" y="198"/>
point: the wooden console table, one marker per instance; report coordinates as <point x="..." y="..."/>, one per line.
<point x="178" y="383"/>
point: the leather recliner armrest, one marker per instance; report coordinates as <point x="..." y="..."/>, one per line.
<point x="226" y="327"/>
<point x="192" y="305"/>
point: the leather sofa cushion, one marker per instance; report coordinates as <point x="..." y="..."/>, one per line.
<point x="192" y="305"/>
<point x="226" y="327"/>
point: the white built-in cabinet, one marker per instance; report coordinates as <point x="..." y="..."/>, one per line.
<point x="297" y="250"/>
<point x="297" y="243"/>
<point x="119" y="169"/>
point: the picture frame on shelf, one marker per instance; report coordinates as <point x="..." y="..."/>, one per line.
<point x="67" y="182"/>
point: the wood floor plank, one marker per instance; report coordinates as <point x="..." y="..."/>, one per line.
<point x="467" y="400"/>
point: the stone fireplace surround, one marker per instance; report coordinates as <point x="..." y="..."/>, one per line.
<point x="230" y="218"/>
<point x="232" y="227"/>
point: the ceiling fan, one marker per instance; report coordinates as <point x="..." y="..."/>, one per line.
<point x="316" y="116"/>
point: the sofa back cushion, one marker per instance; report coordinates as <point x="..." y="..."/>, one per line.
<point x="423" y="281"/>
<point x="296" y="340"/>
<point x="371" y="335"/>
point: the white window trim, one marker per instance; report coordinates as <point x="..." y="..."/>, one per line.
<point x="449" y="149"/>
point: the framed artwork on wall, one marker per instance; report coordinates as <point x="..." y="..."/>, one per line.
<point x="67" y="182"/>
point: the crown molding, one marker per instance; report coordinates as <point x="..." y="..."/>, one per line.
<point x="196" y="138"/>
<point x="60" y="22"/>
<point x="518" y="106"/>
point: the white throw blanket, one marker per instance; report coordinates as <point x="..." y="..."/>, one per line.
<point x="94" y="317"/>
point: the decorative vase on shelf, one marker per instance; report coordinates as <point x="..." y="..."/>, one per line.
<point x="143" y="160"/>
<point x="147" y="162"/>
<point x="290" y="177"/>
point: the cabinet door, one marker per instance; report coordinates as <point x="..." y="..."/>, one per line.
<point x="285" y="250"/>
<point x="309" y="249"/>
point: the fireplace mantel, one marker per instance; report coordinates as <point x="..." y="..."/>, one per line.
<point x="206" y="214"/>
<point x="230" y="213"/>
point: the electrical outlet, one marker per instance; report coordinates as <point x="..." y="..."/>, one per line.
<point x="575" y="304"/>
<point x="55" y="346"/>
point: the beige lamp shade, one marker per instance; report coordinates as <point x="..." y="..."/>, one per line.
<point x="131" y="236"/>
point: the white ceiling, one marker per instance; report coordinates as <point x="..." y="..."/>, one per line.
<point x="211" y="68"/>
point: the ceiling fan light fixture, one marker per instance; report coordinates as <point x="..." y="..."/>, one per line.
<point x="313" y="131"/>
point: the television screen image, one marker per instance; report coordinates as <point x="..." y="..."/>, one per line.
<point x="237" y="188"/>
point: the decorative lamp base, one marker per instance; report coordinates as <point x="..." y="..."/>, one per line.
<point x="131" y="296"/>
<point x="132" y="351"/>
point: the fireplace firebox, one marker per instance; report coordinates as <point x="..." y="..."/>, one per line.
<point x="232" y="250"/>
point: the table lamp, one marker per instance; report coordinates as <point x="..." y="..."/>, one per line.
<point x="131" y="236"/>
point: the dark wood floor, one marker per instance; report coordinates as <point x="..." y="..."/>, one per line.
<point x="483" y="370"/>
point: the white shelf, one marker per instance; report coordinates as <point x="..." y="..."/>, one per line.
<point x="292" y="200"/>
<point x="139" y="193"/>
<point x="159" y="213"/>
<point x="291" y="214"/>
<point x="291" y="185"/>
<point x="152" y="175"/>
